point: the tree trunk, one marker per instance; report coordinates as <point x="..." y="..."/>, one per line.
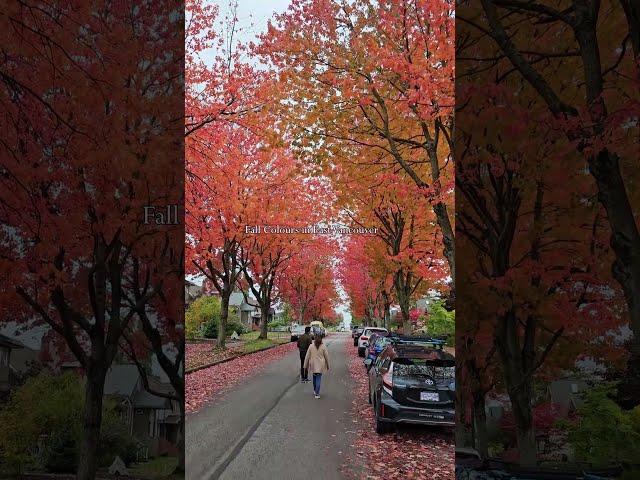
<point x="406" y="321"/>
<point x="526" y="438"/>
<point x="180" y="467"/>
<point x="387" y="316"/>
<point x="92" y="419"/>
<point x="224" y="316"/>
<point x="448" y="240"/>
<point x="480" y="425"/>
<point x="518" y="383"/>
<point x="264" y="320"/>
<point x="625" y="242"/>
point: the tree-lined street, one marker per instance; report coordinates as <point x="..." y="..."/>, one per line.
<point x="270" y="426"/>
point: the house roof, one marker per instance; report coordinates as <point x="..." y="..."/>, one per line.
<point x="144" y="399"/>
<point x="9" y="343"/>
<point x="567" y="391"/>
<point x="247" y="307"/>
<point x="121" y="380"/>
<point x="236" y="299"/>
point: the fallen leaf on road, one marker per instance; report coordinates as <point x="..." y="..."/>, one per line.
<point x="205" y="384"/>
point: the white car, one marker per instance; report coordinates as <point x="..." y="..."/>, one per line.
<point x="363" y="341"/>
<point x="296" y="331"/>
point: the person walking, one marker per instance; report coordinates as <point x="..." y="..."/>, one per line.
<point x="317" y="360"/>
<point x="304" y="341"/>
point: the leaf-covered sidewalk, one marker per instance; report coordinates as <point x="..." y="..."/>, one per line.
<point x="198" y="354"/>
<point x="412" y="453"/>
<point x="203" y="385"/>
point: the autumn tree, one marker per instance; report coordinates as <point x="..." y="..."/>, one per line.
<point x="587" y="79"/>
<point x="81" y="120"/>
<point x="531" y="281"/>
<point x="375" y="76"/>
<point x="307" y="283"/>
<point x="223" y="154"/>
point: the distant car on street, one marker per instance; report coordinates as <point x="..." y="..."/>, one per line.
<point x="296" y="331"/>
<point x="363" y="340"/>
<point x="356" y="334"/>
<point x="412" y="383"/>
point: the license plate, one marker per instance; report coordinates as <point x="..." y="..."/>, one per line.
<point x="429" y="415"/>
<point x="429" y="396"/>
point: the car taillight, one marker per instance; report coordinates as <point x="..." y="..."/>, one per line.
<point x="387" y="380"/>
<point x="363" y="337"/>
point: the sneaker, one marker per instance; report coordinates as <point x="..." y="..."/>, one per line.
<point x="317" y="396"/>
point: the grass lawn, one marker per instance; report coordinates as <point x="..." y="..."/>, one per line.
<point x="161" y="467"/>
<point x="277" y="337"/>
<point x="253" y="343"/>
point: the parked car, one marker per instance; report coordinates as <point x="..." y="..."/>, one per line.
<point x="412" y="383"/>
<point x="296" y="331"/>
<point x="377" y="342"/>
<point x="363" y="340"/>
<point x="356" y="334"/>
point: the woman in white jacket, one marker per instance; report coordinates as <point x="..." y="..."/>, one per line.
<point x="317" y="361"/>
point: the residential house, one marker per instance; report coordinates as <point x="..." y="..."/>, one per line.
<point x="150" y="418"/>
<point x="567" y="394"/>
<point x="7" y="375"/>
<point x="422" y="304"/>
<point x="191" y="292"/>
<point x="240" y="308"/>
<point x="256" y="316"/>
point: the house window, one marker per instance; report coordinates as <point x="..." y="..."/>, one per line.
<point x="4" y="357"/>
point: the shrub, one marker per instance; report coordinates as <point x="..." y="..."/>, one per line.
<point x="441" y="323"/>
<point x="211" y="329"/>
<point x="202" y="312"/>
<point x="52" y="406"/>
<point x="236" y="327"/>
<point x="601" y="418"/>
<point x="44" y="405"/>
<point x="61" y="452"/>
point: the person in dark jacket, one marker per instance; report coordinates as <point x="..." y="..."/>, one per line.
<point x="304" y="341"/>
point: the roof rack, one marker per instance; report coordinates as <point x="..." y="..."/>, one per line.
<point x="407" y="339"/>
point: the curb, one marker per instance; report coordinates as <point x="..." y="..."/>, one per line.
<point x="213" y="364"/>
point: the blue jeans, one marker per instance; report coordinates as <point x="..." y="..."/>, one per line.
<point x="317" y="377"/>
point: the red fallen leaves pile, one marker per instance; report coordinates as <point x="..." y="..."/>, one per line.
<point x="197" y="354"/>
<point x="203" y="385"/>
<point x="412" y="453"/>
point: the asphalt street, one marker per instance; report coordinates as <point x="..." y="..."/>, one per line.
<point x="271" y="427"/>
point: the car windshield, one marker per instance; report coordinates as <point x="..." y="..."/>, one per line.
<point x="412" y="367"/>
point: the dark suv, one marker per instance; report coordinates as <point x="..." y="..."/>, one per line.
<point x="412" y="382"/>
